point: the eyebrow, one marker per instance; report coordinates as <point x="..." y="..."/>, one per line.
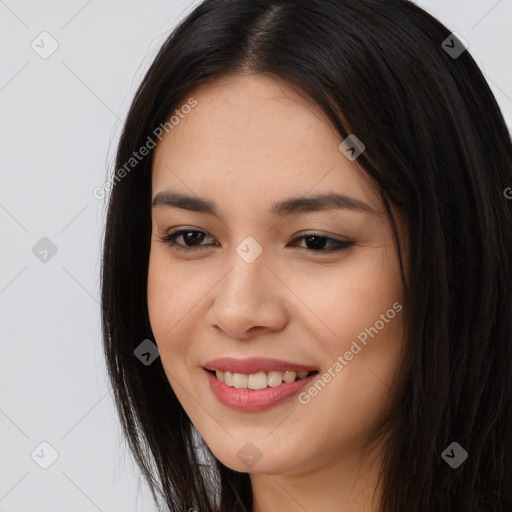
<point x="289" y="206"/>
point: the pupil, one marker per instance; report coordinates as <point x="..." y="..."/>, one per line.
<point x="318" y="242"/>
<point x="194" y="236"/>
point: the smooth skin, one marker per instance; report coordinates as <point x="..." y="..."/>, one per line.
<point x="251" y="141"/>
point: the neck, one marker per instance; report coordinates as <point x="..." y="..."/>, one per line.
<point x="350" y="484"/>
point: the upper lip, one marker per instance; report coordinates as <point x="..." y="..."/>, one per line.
<point x="255" y="365"/>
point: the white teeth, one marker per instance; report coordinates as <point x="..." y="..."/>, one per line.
<point x="274" y="379"/>
<point x="259" y="380"/>
<point x="289" y="376"/>
<point x="240" y="380"/>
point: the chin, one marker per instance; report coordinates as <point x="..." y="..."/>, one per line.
<point x="251" y="457"/>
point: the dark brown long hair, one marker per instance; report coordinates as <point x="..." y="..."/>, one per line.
<point x="437" y="148"/>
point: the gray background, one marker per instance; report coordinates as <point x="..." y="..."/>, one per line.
<point x="60" y="119"/>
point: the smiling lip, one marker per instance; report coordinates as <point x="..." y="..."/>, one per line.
<point x="247" y="400"/>
<point x="255" y="365"/>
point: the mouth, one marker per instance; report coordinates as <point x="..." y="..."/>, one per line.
<point x="259" y="380"/>
<point x="256" y="384"/>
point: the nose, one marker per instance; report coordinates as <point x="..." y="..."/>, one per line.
<point x="250" y="301"/>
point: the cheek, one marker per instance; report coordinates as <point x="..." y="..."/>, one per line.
<point x="171" y="294"/>
<point x="165" y="310"/>
<point x="355" y="298"/>
<point x="358" y="323"/>
<point x="352" y="397"/>
<point x="176" y="307"/>
<point x="160" y="295"/>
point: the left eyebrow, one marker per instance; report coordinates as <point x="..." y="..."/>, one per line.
<point x="330" y="201"/>
<point x="284" y="208"/>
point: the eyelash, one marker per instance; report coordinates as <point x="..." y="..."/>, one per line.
<point x="170" y="239"/>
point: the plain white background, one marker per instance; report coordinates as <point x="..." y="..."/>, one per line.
<point x="60" y="119"/>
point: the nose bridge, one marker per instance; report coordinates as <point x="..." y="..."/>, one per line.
<point x="247" y="271"/>
<point x="246" y="299"/>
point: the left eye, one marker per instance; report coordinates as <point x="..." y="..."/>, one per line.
<point x="315" y="242"/>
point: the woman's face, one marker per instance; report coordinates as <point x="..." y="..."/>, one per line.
<point x="252" y="285"/>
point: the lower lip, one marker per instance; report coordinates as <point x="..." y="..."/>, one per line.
<point x="255" y="399"/>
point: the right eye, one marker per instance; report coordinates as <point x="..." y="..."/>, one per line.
<point x="192" y="236"/>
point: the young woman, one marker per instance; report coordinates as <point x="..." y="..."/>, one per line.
<point x="309" y="224"/>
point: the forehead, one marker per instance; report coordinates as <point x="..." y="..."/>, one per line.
<point x="255" y="136"/>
